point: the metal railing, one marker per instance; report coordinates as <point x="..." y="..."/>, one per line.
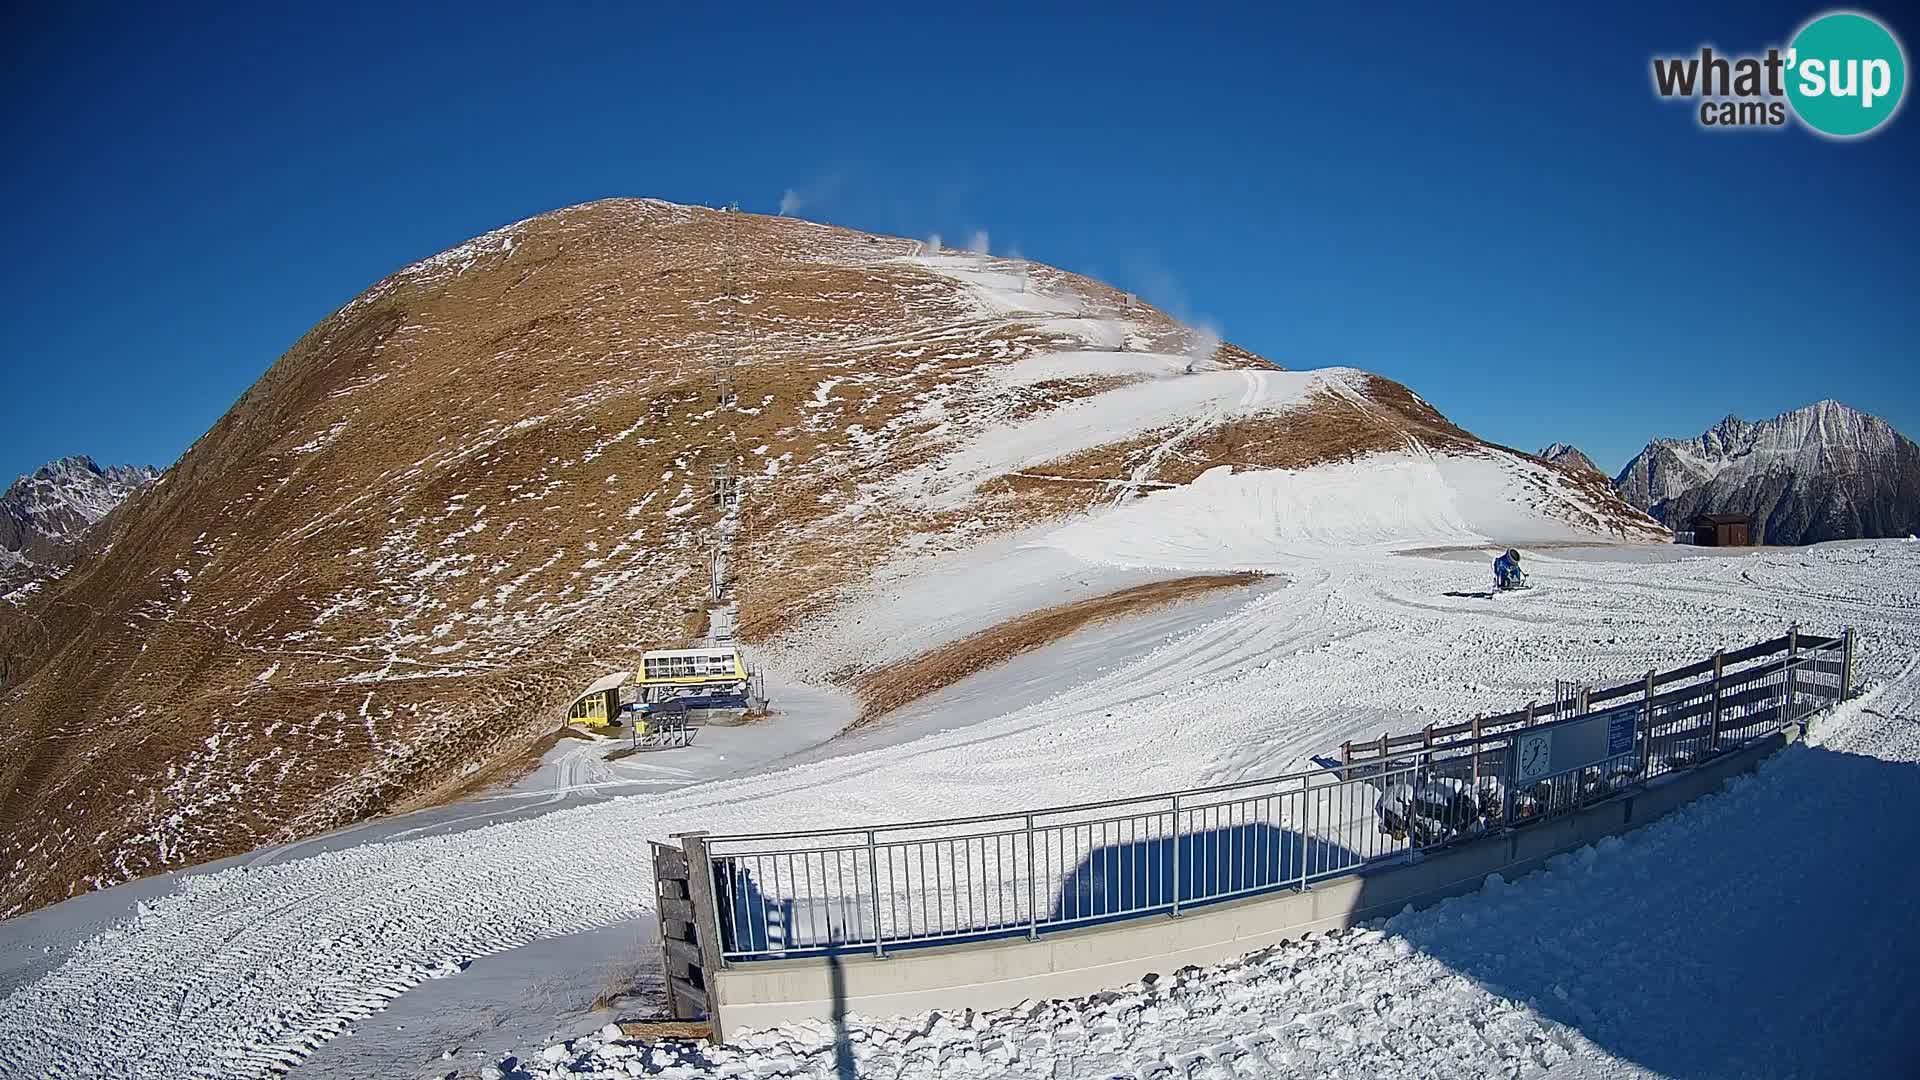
<point x="1028" y="872"/>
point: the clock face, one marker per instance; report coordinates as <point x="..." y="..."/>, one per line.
<point x="1535" y="755"/>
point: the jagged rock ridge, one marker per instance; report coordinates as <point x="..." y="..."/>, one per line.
<point x="1568" y="457"/>
<point x="1824" y="472"/>
<point x="46" y="515"/>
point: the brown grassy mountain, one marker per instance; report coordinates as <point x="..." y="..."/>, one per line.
<point x="488" y="478"/>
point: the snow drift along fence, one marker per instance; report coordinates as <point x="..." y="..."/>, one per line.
<point x="799" y="893"/>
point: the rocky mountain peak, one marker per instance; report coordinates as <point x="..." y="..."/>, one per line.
<point x="1568" y="456"/>
<point x="47" y="513"/>
<point x="1826" y="471"/>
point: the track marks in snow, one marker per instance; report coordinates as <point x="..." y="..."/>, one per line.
<point x="1355" y="642"/>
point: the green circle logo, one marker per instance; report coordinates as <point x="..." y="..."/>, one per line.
<point x="1846" y="74"/>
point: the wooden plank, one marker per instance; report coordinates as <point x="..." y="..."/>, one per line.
<point x="707" y="918"/>
<point x="678" y="930"/>
<point x="681" y="910"/>
<point x="1614" y="693"/>
<point x="684" y="951"/>
<point x="1764" y="648"/>
<point x="672" y="890"/>
<point x="1679" y="674"/>
<point x="1749" y="696"/>
<point x="1755" y="673"/>
<point x="689" y="993"/>
<point x="1703" y="707"/>
<point x="658" y="1030"/>
<point x="680" y="968"/>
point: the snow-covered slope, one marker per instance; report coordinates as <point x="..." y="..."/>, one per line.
<point x="1263" y="520"/>
<point x="239" y="971"/>
<point x="47" y="514"/>
<point x="1825" y="472"/>
<point x="1645" y="955"/>
<point x="1568" y="457"/>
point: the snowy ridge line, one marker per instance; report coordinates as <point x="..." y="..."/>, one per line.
<point x="967" y="879"/>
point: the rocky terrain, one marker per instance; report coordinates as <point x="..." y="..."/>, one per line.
<point x="1825" y="472"/>
<point x="492" y="476"/>
<point x="1569" y="457"/>
<point x="47" y="515"/>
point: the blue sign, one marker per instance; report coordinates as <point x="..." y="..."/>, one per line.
<point x="1620" y="731"/>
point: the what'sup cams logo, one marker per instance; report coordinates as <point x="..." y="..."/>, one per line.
<point x="1843" y="76"/>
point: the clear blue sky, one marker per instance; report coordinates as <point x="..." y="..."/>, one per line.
<point x="1489" y="206"/>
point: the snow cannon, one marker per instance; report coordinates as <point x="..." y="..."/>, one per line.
<point x="1507" y="574"/>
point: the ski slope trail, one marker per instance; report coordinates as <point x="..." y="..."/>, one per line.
<point x="242" y="971"/>
<point x="1762" y="931"/>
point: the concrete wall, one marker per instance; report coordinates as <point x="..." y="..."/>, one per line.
<point x="1070" y="963"/>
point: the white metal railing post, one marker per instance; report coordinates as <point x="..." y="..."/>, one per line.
<point x="1846" y="663"/>
<point x="1646" y="726"/>
<point x="1713" y="722"/>
<point x="1793" y="668"/>
<point x="1512" y="777"/>
<point x="1306" y="831"/>
<point x="873" y="894"/>
<point x="1176" y="856"/>
<point x="1033" y="881"/>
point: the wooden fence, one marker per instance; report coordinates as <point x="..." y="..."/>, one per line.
<point x="1720" y="683"/>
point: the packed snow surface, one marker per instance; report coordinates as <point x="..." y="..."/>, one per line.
<point x="1759" y="932"/>
<point x="243" y="970"/>
<point x="1267" y="519"/>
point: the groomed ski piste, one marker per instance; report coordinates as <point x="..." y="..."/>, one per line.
<point x="1761" y="932"/>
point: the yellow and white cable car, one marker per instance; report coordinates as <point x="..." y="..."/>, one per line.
<point x="674" y="670"/>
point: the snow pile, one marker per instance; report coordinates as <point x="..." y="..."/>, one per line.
<point x="1357" y="1004"/>
<point x="1262" y="520"/>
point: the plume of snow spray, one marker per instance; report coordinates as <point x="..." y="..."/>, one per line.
<point x="934" y="246"/>
<point x="790" y="200"/>
<point x="977" y="244"/>
<point x="1202" y="342"/>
